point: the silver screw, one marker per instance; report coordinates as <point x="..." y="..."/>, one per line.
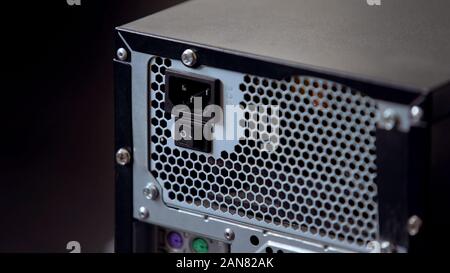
<point x="389" y="119"/>
<point x="386" y="247"/>
<point x="122" y="54"/>
<point x="229" y="234"/>
<point x="414" y="225"/>
<point x="143" y="213"/>
<point x="374" y="247"/>
<point x="151" y="192"/>
<point x="189" y="57"/>
<point x="416" y="113"/>
<point x="123" y="157"/>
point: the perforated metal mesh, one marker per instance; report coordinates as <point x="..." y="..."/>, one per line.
<point x="318" y="182"/>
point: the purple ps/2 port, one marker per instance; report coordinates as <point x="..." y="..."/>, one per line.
<point x="175" y="240"/>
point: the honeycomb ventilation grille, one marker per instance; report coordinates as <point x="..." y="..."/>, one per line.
<point x="319" y="182"/>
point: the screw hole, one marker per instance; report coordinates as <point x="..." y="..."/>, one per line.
<point x="254" y="240"/>
<point x="269" y="250"/>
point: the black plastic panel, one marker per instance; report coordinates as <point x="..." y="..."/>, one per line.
<point x="123" y="174"/>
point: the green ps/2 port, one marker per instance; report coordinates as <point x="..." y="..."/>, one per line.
<point x="200" y="245"/>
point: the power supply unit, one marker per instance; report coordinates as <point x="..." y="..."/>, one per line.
<point x="336" y="140"/>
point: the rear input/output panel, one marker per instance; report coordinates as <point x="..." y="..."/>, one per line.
<point x="173" y="241"/>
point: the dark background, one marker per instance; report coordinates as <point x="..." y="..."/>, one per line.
<point x="56" y="181"/>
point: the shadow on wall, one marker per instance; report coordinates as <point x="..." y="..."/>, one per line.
<point x="57" y="182"/>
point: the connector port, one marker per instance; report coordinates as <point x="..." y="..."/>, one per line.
<point x="191" y="90"/>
